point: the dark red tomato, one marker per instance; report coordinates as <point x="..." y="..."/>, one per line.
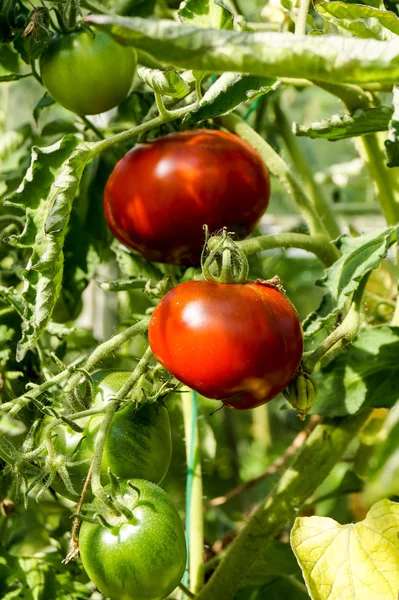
<point x="239" y="343"/>
<point x="161" y="193"/>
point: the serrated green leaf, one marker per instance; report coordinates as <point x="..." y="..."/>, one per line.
<point x="359" y="256"/>
<point x="340" y="127"/>
<point x="360" y="20"/>
<point x="359" y="561"/>
<point x="365" y="374"/>
<point x="320" y="58"/>
<point x="167" y="83"/>
<point x="46" y="195"/>
<point x="205" y="14"/>
<point x="228" y="92"/>
<point x="392" y="141"/>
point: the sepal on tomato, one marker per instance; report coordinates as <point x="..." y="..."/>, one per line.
<point x="301" y="392"/>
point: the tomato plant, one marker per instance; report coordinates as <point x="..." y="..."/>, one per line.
<point x="239" y="343"/>
<point x="138" y="443"/>
<point x="86" y="72"/>
<point x="162" y="193"/>
<point x="138" y="558"/>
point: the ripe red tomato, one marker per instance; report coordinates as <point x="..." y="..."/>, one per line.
<point x="239" y="343"/>
<point x="161" y="193"/>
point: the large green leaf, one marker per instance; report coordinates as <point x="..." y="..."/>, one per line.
<point x="340" y="127"/>
<point x="228" y="92"/>
<point x="46" y="195"/>
<point x="321" y="58"/>
<point x="359" y="561"/>
<point x="365" y="374"/>
<point x="359" y="256"/>
<point x="360" y="20"/>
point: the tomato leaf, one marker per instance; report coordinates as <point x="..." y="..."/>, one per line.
<point x="228" y="92"/>
<point x="167" y="83"/>
<point x="365" y="374"/>
<point x="320" y="58"/>
<point x="44" y="101"/>
<point x="361" y="21"/>
<point x="355" y="561"/>
<point x="46" y="196"/>
<point x="340" y="127"/>
<point x="39" y="578"/>
<point x="359" y="256"/>
<point x="392" y="142"/>
<point x="11" y="141"/>
<point x="206" y="14"/>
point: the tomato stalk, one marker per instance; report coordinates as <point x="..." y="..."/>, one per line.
<point x="280" y="169"/>
<point x="300" y="24"/>
<point x="194" y="493"/>
<point x="226" y="262"/>
<point x="101" y="437"/>
<point x="320" y="453"/>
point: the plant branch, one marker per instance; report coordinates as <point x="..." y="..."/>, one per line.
<point x="300" y="24"/>
<point x="317" y="244"/>
<point x="278" y="464"/>
<point x="280" y="169"/>
<point x="318" y="455"/>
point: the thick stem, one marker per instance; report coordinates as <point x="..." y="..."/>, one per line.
<point x="261" y="426"/>
<point x="316" y="192"/>
<point x="280" y="169"/>
<point x="300" y="24"/>
<point x="321" y="452"/>
<point x="194" y="514"/>
<point x="317" y="244"/>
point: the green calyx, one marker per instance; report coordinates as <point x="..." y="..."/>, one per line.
<point x="223" y="261"/>
<point x="301" y="392"/>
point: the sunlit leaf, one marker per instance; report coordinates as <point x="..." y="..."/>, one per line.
<point x="360" y="20"/>
<point x="205" y="13"/>
<point x="168" y="83"/>
<point x="392" y="142"/>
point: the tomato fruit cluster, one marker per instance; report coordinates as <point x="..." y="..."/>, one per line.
<point x="239" y="343"/>
<point x="162" y="193"/>
<point x="142" y="558"/>
<point x="87" y="73"/>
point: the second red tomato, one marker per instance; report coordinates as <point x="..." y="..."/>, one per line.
<point x="239" y="343"/>
<point x="162" y="193"/>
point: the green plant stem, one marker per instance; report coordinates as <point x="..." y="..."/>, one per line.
<point x="261" y="426"/>
<point x="300" y="24"/>
<point x="185" y="590"/>
<point x="101" y="437"/>
<point x="195" y="525"/>
<point x="322" y="450"/>
<point x="316" y="192"/>
<point x="317" y="244"/>
<point x="344" y="334"/>
<point x="280" y="169"/>
<point x="168" y="116"/>
<point x="107" y="348"/>
<point x="91" y="126"/>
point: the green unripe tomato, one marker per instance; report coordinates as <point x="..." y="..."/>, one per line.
<point x="142" y="558"/>
<point x="87" y="73"/>
<point x="138" y="445"/>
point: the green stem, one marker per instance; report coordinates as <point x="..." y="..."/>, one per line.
<point x="107" y="348"/>
<point x="280" y="169"/>
<point x="261" y="426"/>
<point x="344" y="334"/>
<point x="316" y="192"/>
<point x="322" y="450"/>
<point x="194" y="516"/>
<point x="139" y="129"/>
<point x="101" y="437"/>
<point x="91" y="126"/>
<point x="300" y="25"/>
<point x="317" y="244"/>
<point x="185" y="590"/>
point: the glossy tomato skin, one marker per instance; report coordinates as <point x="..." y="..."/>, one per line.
<point x="239" y="343"/>
<point x="138" y="445"/>
<point x="85" y="74"/>
<point x="143" y="559"/>
<point x="162" y="193"/>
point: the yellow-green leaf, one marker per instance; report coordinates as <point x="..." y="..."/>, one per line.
<point x="359" y="561"/>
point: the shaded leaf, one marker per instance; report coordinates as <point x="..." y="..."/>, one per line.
<point x="228" y="92"/>
<point x="44" y="101"/>
<point x="359" y="256"/>
<point x="340" y="127"/>
<point x="321" y="58"/>
<point x="360" y="20"/>
<point x="365" y="374"/>
<point x="46" y="195"/>
<point x="359" y="561"/>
